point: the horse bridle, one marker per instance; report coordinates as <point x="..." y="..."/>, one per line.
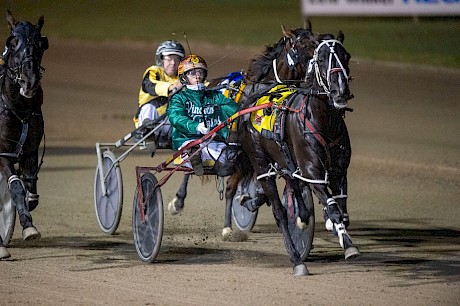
<point x="25" y="39"/>
<point x="292" y="58"/>
<point x="14" y="74"/>
<point x="313" y="65"/>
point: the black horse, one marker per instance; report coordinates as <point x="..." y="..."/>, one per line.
<point x="21" y="120"/>
<point x="302" y="151"/>
<point x="284" y="62"/>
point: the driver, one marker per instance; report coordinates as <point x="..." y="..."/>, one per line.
<point x="159" y="81"/>
<point x="194" y="111"/>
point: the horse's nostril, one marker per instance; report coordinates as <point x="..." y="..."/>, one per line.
<point x="334" y="93"/>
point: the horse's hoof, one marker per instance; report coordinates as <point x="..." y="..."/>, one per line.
<point x="352" y="252"/>
<point x="4" y="254"/>
<point x="172" y="207"/>
<point x="227" y="232"/>
<point x="30" y="233"/>
<point x="301" y="270"/>
<point x="301" y="225"/>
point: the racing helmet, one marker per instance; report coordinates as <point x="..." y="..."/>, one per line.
<point x="168" y="47"/>
<point x="189" y="63"/>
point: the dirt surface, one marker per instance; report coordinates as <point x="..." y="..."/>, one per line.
<point x="403" y="199"/>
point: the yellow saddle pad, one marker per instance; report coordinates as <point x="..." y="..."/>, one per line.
<point x="276" y="96"/>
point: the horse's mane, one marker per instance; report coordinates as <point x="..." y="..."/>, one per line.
<point x="261" y="65"/>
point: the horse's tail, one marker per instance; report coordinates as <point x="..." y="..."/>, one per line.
<point x="205" y="179"/>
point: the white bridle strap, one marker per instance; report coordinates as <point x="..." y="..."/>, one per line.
<point x="331" y="44"/>
<point x="275" y="72"/>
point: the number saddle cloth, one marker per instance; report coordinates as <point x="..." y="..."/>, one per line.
<point x="270" y="121"/>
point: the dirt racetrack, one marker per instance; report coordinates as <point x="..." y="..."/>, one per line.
<point x="403" y="199"/>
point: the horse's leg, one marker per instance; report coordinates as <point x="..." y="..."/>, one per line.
<point x="177" y="204"/>
<point x="293" y="189"/>
<point x="3" y="251"/>
<point x="28" y="167"/>
<point x="340" y="163"/>
<point x="336" y="220"/>
<point x="339" y="187"/>
<point x="280" y="214"/>
<point x="18" y="194"/>
<point x="230" y="190"/>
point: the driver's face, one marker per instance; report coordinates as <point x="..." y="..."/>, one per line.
<point x="170" y="64"/>
<point x="196" y="76"/>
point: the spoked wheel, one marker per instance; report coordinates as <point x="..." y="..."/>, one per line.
<point x="148" y="234"/>
<point x="244" y="219"/>
<point x="108" y="206"/>
<point x="303" y="239"/>
<point x="7" y="212"/>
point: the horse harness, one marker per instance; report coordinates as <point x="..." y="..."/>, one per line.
<point x="277" y="134"/>
<point x="13" y="73"/>
<point x="25" y="127"/>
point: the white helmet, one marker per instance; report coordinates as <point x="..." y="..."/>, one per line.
<point x="168" y="47"/>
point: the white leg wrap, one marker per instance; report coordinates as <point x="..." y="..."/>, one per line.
<point x="15" y="178"/>
<point x="226" y="232"/>
<point x="329" y="225"/>
<point x="172" y="207"/>
<point x="340" y="196"/>
<point x="340" y="228"/>
<point x="331" y="201"/>
<point x="32" y="196"/>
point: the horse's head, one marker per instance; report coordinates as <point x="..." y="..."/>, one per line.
<point x="329" y="70"/>
<point x="298" y="50"/>
<point x="286" y="60"/>
<point x="23" y="54"/>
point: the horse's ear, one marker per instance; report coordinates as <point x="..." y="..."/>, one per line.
<point x="307" y="24"/>
<point x="286" y="33"/>
<point x="340" y="36"/>
<point x="283" y="29"/>
<point x="11" y="21"/>
<point x="40" y="23"/>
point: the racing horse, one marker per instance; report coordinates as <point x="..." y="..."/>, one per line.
<point x="302" y="150"/>
<point x="285" y="61"/>
<point x="21" y="119"/>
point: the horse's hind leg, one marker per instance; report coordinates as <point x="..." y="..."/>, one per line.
<point x="230" y="191"/>
<point x="280" y="214"/>
<point x="293" y="189"/>
<point x="177" y="204"/>
<point x="18" y="194"/>
<point x="336" y="224"/>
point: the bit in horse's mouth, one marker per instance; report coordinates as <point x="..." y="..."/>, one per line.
<point x="340" y="105"/>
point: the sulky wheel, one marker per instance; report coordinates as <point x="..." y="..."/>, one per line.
<point x="148" y="234"/>
<point x="244" y="218"/>
<point x="108" y="206"/>
<point x="7" y="212"/>
<point x="303" y="239"/>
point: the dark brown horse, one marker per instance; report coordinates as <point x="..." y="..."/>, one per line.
<point x="21" y="120"/>
<point x="303" y="151"/>
<point x="284" y="62"/>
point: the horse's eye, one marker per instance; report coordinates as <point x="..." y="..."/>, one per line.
<point x="13" y="43"/>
